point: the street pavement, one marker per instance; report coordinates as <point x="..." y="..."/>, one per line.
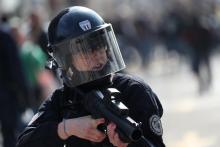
<point x="190" y="119"/>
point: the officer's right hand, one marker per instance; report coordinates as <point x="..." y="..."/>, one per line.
<point x="85" y="128"/>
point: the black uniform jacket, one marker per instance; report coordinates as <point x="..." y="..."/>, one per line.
<point x="143" y="105"/>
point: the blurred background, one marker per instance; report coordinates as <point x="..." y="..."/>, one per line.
<point x="172" y="44"/>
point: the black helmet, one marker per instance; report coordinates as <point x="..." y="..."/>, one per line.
<point x="79" y="31"/>
<point x="66" y="23"/>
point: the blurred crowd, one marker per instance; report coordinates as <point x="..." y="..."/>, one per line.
<point x="187" y="28"/>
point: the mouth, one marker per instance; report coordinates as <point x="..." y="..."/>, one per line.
<point x="98" y="67"/>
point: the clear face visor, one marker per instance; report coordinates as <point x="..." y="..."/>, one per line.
<point x="89" y="57"/>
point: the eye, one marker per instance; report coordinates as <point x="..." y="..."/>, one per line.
<point x="99" y="48"/>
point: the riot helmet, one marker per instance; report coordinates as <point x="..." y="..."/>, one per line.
<point x="83" y="46"/>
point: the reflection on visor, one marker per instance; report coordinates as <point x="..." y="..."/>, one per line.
<point x="93" y="60"/>
<point x="95" y="41"/>
<point x="89" y="57"/>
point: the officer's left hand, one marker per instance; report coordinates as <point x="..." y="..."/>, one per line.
<point x="114" y="137"/>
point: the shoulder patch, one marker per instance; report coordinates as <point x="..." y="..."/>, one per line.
<point x="155" y="125"/>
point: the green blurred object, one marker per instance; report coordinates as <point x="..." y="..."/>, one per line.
<point x="33" y="59"/>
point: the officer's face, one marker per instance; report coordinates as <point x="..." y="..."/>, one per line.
<point x="94" y="60"/>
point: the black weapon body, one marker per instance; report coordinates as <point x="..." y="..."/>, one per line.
<point x="106" y="104"/>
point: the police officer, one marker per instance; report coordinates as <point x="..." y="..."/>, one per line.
<point x="85" y="50"/>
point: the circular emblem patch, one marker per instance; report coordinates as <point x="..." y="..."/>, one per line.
<point x="155" y="125"/>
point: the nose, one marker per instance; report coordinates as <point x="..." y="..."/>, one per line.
<point x="99" y="56"/>
<point x="96" y="54"/>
